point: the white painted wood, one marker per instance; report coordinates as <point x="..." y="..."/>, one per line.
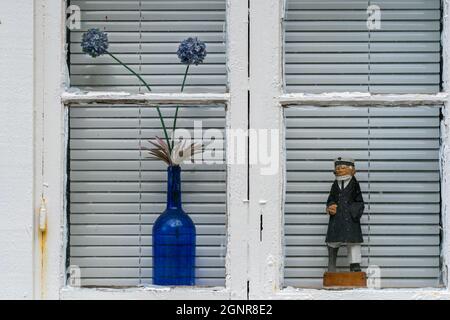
<point x="147" y="293"/>
<point x="54" y="152"/>
<point x="236" y="174"/>
<point x="237" y="262"/>
<point x="75" y="98"/>
<point x="50" y="250"/>
<point x="16" y="142"/>
<point x="265" y="113"/>
<point x="364" y="294"/>
<point x="272" y="261"/>
<point x="39" y="35"/>
<point x="445" y="148"/>
<point x="349" y="98"/>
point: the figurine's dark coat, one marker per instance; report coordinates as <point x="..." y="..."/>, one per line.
<point x="345" y="225"/>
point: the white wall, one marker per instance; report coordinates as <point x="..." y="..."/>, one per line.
<point x="16" y="149"/>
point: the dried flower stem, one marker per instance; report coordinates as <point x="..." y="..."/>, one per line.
<point x="150" y="90"/>
<point x="176" y="110"/>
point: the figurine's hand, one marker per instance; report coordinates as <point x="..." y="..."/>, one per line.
<point x="331" y="210"/>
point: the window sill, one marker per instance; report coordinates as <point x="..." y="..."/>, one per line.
<point x="145" y="293"/>
<point x="363" y="99"/>
<point x="144" y="98"/>
<point x="364" y="294"/>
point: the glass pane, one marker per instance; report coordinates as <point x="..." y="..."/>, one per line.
<point x="117" y="191"/>
<point x="396" y="153"/>
<point x="377" y="46"/>
<point x="145" y="35"/>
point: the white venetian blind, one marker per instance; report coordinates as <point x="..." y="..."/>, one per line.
<point x="145" y="35"/>
<point x="116" y="192"/>
<point x="397" y="160"/>
<point x="329" y="48"/>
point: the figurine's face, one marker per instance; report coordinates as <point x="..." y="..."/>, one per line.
<point x="343" y="170"/>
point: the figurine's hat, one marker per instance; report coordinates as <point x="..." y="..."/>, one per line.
<point x="344" y="161"/>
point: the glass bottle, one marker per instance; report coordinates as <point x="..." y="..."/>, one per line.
<point x="174" y="239"/>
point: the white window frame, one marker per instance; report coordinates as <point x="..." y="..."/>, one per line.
<point x="52" y="104"/>
<point x="267" y="192"/>
<point x="254" y="262"/>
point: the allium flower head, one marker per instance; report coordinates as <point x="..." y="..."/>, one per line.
<point x="95" y="42"/>
<point x="192" y="51"/>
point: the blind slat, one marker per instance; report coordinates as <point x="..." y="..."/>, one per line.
<point x="146" y="35"/>
<point x="400" y="185"/>
<point x="117" y="192"/>
<point x="376" y="240"/>
<point x="347" y="56"/>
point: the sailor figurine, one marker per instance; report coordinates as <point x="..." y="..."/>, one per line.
<point x="345" y="207"/>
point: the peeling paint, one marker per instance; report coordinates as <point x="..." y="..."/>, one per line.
<point x="263" y="263"/>
<point x="145" y="293"/>
<point x="143" y="98"/>
<point x="363" y="99"/>
<point x="363" y="294"/>
<point x="445" y="147"/>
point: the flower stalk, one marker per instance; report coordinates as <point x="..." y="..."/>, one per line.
<point x="190" y="51"/>
<point x="176" y="110"/>
<point x="166" y="136"/>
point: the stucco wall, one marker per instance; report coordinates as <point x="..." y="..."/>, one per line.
<point x="16" y="149"/>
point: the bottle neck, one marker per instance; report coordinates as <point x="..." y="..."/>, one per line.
<point x="173" y="187"/>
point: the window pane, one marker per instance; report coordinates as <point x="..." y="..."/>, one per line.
<point x="118" y="191"/>
<point x="332" y="46"/>
<point x="397" y="166"/>
<point x="145" y="35"/>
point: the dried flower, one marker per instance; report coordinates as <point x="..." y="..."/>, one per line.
<point x="192" y="51"/>
<point x="181" y="151"/>
<point x="95" y="42"/>
<point x="161" y="151"/>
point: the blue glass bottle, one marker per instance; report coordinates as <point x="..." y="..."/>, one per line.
<point x="174" y="239"/>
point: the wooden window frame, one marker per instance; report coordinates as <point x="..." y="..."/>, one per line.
<point x="267" y="192"/>
<point x="254" y="262"/>
<point x="52" y="104"/>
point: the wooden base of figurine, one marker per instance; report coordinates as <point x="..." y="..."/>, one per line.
<point x="344" y="280"/>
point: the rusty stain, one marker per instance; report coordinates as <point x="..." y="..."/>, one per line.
<point x="43" y="253"/>
<point x="43" y="248"/>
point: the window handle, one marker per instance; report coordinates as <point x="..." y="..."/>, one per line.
<point x="43" y="215"/>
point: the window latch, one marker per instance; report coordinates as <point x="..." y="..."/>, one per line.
<point x="43" y="216"/>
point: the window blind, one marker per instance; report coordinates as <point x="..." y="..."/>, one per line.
<point x="116" y="192"/>
<point x="145" y="35"/>
<point x="329" y="48"/>
<point x="397" y="161"/>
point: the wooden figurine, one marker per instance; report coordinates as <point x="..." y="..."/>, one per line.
<point x="345" y="206"/>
